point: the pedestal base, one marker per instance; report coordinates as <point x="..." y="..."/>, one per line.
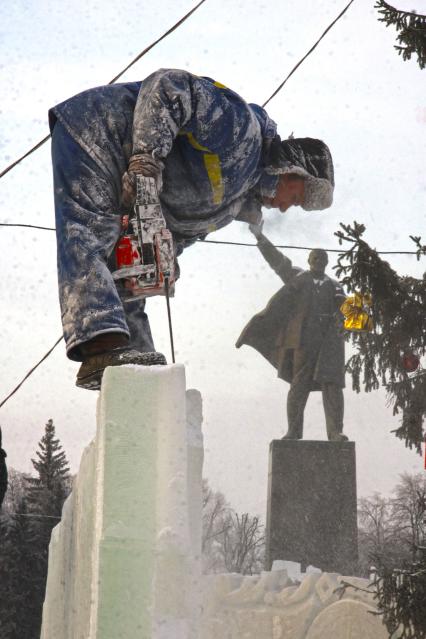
<point x="312" y="506"/>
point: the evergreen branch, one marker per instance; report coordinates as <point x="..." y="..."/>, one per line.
<point x="421" y="248"/>
<point x="344" y="585"/>
<point x="412" y="31"/>
<point x="385" y="7"/>
<point x="400" y="595"/>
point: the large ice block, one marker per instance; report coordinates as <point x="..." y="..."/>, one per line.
<point x="125" y="560"/>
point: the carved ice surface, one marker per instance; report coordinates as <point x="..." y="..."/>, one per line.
<point x="268" y="606"/>
<point x="125" y="561"/>
<point x="293" y="568"/>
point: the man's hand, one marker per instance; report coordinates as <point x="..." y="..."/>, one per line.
<point x="256" y="229"/>
<point x="141" y="164"/>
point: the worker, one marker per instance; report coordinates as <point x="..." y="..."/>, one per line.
<point x="214" y="157"/>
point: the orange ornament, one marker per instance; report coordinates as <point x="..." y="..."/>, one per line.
<point x="410" y="362"/>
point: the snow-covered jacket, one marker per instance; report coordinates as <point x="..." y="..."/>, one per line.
<point x="211" y="141"/>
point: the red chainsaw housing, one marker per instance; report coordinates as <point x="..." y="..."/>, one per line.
<point x="126" y="253"/>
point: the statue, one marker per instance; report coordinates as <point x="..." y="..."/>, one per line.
<point x="300" y="333"/>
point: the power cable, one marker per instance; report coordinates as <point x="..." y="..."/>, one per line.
<point x="34" y="148"/>
<point x="280" y="246"/>
<point x="138" y="57"/>
<point x="31" y="371"/>
<point x="304" y="248"/>
<point x="307" y="54"/>
<point x="30" y="226"/>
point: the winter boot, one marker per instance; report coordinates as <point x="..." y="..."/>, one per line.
<point x="90" y="372"/>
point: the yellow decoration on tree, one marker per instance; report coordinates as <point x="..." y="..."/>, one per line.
<point x="357" y="311"/>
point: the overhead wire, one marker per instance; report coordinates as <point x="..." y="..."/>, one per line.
<point x="34" y="148"/>
<point x="330" y="26"/>
<point x="304" y="248"/>
<point x="138" y="57"/>
<point x="280" y="246"/>
<point x="30" y="372"/>
<point x="29" y="226"/>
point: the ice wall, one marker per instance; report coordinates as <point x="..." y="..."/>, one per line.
<point x="125" y="560"/>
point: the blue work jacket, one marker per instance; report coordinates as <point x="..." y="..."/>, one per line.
<point x="212" y="144"/>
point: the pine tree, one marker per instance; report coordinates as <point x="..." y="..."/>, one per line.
<point x="51" y="466"/>
<point x="399" y="315"/>
<point x="49" y="489"/>
<point x="46" y="494"/>
<point x="412" y="31"/>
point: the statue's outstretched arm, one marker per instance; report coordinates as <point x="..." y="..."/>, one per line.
<point x="281" y="264"/>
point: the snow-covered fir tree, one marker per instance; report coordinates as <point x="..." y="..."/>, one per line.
<point x="47" y="491"/>
<point x="45" y="495"/>
<point x="390" y="355"/>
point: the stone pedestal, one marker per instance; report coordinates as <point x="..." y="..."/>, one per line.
<point x="312" y="507"/>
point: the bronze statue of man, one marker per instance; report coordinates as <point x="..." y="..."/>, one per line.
<point x="300" y="333"/>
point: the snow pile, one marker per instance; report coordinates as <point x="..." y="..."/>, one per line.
<point x="272" y="606"/>
<point x="125" y="559"/>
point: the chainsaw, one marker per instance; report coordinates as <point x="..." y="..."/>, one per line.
<point x="145" y="257"/>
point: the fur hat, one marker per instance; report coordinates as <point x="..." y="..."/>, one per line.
<point x="309" y="158"/>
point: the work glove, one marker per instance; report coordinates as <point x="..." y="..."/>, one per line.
<point x="140" y="164"/>
<point x="256" y="229"/>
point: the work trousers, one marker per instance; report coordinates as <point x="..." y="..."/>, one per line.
<point x="304" y="365"/>
<point x="88" y="225"/>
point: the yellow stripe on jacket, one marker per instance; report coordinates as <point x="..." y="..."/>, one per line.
<point x="212" y="164"/>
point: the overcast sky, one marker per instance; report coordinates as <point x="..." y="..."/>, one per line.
<point x="354" y="92"/>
